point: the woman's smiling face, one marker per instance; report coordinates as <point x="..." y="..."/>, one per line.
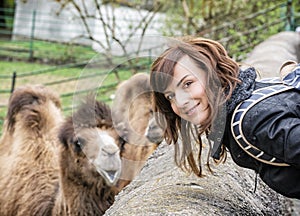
<point x="186" y="91"/>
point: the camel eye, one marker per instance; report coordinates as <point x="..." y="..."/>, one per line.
<point x="121" y="143"/>
<point x="78" y="143"/>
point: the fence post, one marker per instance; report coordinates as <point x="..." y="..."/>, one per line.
<point x="32" y="35"/>
<point x="150" y="57"/>
<point x="13" y="82"/>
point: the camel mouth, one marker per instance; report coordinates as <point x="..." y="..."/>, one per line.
<point x="111" y="176"/>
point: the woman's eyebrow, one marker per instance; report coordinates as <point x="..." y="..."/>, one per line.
<point x="166" y="92"/>
<point x="180" y="81"/>
<point x="178" y="84"/>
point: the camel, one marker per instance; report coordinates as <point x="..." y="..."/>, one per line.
<point x="269" y="55"/>
<point x="28" y="157"/>
<point x="134" y="119"/>
<point x="89" y="161"/>
<point x="52" y="166"/>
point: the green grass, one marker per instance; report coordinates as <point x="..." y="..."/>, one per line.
<point x="46" y="52"/>
<point x="52" y="66"/>
<point x="7" y="67"/>
<point x="104" y="80"/>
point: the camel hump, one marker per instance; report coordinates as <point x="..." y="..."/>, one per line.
<point x="36" y="108"/>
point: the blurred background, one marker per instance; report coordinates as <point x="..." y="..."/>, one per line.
<point x="65" y="43"/>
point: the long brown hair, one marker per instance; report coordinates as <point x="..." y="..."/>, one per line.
<point x="222" y="73"/>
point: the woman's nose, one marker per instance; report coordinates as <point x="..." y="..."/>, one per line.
<point x="182" y="99"/>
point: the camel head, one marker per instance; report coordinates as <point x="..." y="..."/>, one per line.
<point x="154" y="132"/>
<point x="100" y="147"/>
<point x="91" y="146"/>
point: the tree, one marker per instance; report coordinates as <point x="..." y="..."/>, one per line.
<point x="4" y="6"/>
<point x="105" y="13"/>
<point x="237" y="24"/>
<point x="2" y="15"/>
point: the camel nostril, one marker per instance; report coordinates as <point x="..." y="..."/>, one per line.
<point x="110" y="151"/>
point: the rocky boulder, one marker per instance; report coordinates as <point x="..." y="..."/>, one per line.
<point x="164" y="189"/>
<point x="268" y="56"/>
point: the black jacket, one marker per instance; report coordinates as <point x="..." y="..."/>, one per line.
<point x="272" y="125"/>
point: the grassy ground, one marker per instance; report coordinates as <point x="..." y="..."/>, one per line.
<point x="45" y="52"/>
<point x="66" y="79"/>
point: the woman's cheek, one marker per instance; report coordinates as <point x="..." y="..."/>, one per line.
<point x="175" y="109"/>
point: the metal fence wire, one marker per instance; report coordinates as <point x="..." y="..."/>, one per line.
<point x="65" y="82"/>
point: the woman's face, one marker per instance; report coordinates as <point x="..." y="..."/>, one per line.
<point x="186" y="91"/>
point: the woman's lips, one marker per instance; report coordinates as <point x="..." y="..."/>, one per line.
<point x="192" y="110"/>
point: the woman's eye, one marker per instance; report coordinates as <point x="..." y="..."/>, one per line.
<point x="169" y="97"/>
<point x="187" y="84"/>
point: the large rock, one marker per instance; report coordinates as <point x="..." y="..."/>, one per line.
<point x="268" y="56"/>
<point x="163" y="189"/>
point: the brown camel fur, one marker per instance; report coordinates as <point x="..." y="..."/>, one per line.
<point x="89" y="161"/>
<point x="132" y="114"/>
<point x="269" y="55"/>
<point x="28" y="164"/>
<point x="51" y="167"/>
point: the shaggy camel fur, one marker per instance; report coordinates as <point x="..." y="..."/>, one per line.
<point x="132" y="115"/>
<point x="28" y="158"/>
<point x="46" y="171"/>
<point x="89" y="161"/>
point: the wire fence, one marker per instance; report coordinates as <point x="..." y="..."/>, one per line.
<point x="64" y="78"/>
<point x="26" y="27"/>
<point x="29" y="23"/>
<point x="67" y="78"/>
<point x="241" y="35"/>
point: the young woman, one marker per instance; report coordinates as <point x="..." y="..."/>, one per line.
<point x="199" y="90"/>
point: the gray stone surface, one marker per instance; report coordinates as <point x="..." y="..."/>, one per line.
<point x="163" y="189"/>
<point x="268" y="56"/>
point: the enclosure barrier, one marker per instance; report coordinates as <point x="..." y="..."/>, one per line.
<point x="287" y="20"/>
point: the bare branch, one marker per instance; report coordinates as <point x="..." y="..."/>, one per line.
<point x="85" y="8"/>
<point x="147" y="24"/>
<point x="104" y="24"/>
<point x="107" y="17"/>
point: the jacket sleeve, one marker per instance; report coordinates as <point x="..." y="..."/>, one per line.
<point x="273" y="125"/>
<point x="293" y="77"/>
